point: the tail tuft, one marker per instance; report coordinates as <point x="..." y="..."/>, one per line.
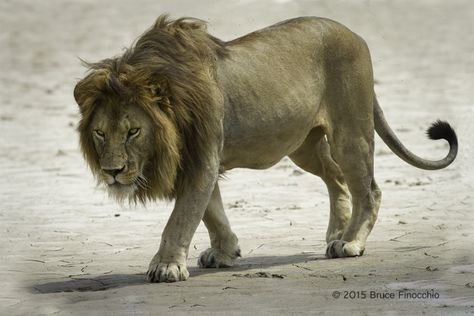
<point x="442" y="130"/>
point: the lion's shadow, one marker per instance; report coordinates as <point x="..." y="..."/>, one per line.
<point x="110" y="281"/>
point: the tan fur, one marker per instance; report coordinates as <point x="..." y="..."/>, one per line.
<point x="302" y="88"/>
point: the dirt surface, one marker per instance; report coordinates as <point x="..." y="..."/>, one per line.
<point x="67" y="249"/>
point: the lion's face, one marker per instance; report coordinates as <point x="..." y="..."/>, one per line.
<point x="122" y="137"/>
<point x="149" y="117"/>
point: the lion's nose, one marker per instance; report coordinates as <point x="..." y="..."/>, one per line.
<point x="113" y="172"/>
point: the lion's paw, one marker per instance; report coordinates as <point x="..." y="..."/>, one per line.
<point x="341" y="249"/>
<point x="167" y="272"/>
<point x="216" y="258"/>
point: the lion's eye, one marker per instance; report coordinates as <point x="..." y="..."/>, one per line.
<point x="99" y="133"/>
<point x="133" y="132"/>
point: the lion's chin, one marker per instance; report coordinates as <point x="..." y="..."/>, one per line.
<point x="121" y="192"/>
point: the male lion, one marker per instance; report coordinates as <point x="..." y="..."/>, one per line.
<point x="181" y="107"/>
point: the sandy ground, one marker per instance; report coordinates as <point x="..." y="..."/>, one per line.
<point x="68" y="250"/>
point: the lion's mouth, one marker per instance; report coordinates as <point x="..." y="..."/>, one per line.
<point x="119" y="180"/>
<point x="121" y="185"/>
<point x="120" y="191"/>
<point x="124" y="187"/>
<point x="117" y="184"/>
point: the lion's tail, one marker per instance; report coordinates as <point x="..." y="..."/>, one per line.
<point x="438" y="130"/>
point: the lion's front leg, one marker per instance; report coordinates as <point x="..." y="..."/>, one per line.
<point x="224" y="244"/>
<point x="169" y="264"/>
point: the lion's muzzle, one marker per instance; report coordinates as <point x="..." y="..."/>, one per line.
<point x="111" y="174"/>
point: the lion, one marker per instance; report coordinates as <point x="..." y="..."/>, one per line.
<point x="180" y="107"/>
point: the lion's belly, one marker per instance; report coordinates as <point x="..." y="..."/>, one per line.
<point x="255" y="156"/>
<point x="260" y="141"/>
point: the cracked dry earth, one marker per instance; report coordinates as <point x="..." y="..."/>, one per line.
<point x="68" y="250"/>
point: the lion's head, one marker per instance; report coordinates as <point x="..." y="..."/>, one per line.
<point x="146" y="115"/>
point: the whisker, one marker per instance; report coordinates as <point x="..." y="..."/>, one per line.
<point x="143" y="178"/>
<point x="142" y="182"/>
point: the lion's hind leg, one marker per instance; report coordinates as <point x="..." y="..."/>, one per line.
<point x="314" y="156"/>
<point x="366" y="198"/>
<point x="352" y="147"/>
<point x="349" y="125"/>
<point x="224" y="244"/>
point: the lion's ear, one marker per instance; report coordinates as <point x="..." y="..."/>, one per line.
<point x="90" y="86"/>
<point x="160" y="94"/>
<point x="159" y="90"/>
<point x="79" y="93"/>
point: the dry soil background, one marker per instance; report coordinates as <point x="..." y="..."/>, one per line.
<point x="67" y="250"/>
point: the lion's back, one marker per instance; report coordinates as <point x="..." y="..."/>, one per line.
<point x="299" y="31"/>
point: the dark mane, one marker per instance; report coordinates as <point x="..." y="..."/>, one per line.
<point x="169" y="72"/>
